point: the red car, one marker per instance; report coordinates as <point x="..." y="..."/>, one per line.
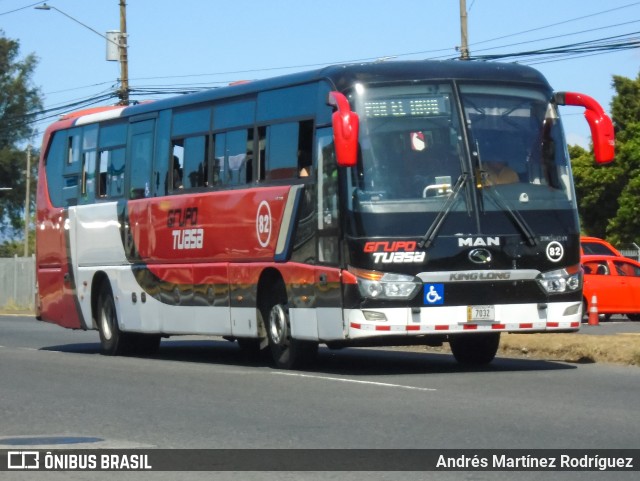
<point x="597" y="246"/>
<point x="615" y="281"/>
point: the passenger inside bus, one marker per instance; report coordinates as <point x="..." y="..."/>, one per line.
<point x="177" y="173"/>
<point x="495" y="156"/>
<point x="498" y="172"/>
<point x="304" y="163"/>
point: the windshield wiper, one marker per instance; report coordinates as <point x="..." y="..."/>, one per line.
<point x="506" y="206"/>
<point x="502" y="203"/>
<point x="428" y="238"/>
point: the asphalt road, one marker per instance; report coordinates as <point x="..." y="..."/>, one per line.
<point x="57" y="391"/>
<point x="615" y="325"/>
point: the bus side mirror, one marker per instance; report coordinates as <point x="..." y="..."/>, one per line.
<point x="599" y="122"/>
<point x="345" y="130"/>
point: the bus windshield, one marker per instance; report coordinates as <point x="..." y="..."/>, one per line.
<point x="413" y="151"/>
<point x="410" y="144"/>
<point x="518" y="145"/>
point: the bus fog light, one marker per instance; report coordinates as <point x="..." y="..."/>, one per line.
<point x="571" y="310"/>
<point x="374" y="316"/>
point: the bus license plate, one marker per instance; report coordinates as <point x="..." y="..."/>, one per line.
<point x="481" y="313"/>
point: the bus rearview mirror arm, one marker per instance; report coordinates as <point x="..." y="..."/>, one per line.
<point x="345" y="130"/>
<point x="599" y="122"/>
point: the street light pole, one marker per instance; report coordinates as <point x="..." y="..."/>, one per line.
<point x="121" y="45"/>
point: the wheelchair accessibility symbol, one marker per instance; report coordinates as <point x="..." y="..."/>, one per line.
<point x="434" y="294"/>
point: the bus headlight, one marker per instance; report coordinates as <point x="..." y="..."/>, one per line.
<point x="559" y="281"/>
<point x="385" y="285"/>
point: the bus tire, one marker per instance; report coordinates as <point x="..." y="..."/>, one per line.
<point x="475" y="349"/>
<point x="287" y="352"/>
<point x="113" y="341"/>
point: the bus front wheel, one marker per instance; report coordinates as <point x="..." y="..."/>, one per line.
<point x="287" y="352"/>
<point x="475" y="349"/>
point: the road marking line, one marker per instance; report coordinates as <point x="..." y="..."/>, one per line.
<point x="354" y="381"/>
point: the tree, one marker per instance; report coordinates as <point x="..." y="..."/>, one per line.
<point x="625" y="109"/>
<point x="12" y="176"/>
<point x="19" y="103"/>
<point x="19" y="100"/>
<point x="597" y="190"/>
<point x="609" y="196"/>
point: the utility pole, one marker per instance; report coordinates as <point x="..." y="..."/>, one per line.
<point x="124" y="62"/>
<point x="115" y="39"/>
<point x="464" y="43"/>
<point x="27" y="198"/>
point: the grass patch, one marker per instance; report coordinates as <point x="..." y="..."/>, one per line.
<point x="13" y="309"/>
<point x="578" y="348"/>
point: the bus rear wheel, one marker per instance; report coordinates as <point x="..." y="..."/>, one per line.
<point x="113" y="342"/>
<point x="287" y="352"/>
<point x="475" y="349"/>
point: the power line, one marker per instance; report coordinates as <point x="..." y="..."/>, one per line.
<point x="617" y="42"/>
<point x="555" y="24"/>
<point x="531" y="57"/>
<point x="560" y="36"/>
<point x="21" y="8"/>
<point x="407" y="54"/>
<point x="552" y="54"/>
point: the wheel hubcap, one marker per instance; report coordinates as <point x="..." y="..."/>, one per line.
<point x="105" y="324"/>
<point x="278" y="326"/>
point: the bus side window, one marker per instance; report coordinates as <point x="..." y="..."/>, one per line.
<point x="140" y="158"/>
<point x="53" y="167"/>
<point x="282" y="151"/>
<point x="111" y="157"/>
<point x="196" y="153"/>
<point x="327" y="191"/>
<point x="103" y="162"/>
<point x="248" y="174"/>
<point x="89" y="153"/>
<point x="236" y="156"/>
<point x="110" y="174"/>
<point x="115" y="184"/>
<point x="262" y="152"/>
<point x="219" y="170"/>
<point x="177" y="164"/>
<point x="289" y="150"/>
<point x="305" y="148"/>
<point x="72" y="169"/>
<point x="88" y="186"/>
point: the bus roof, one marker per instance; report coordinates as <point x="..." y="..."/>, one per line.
<point x="340" y="77"/>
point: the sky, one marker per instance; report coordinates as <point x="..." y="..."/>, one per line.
<point x="189" y="44"/>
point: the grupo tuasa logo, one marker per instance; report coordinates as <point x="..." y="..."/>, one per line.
<point x="394" y="252"/>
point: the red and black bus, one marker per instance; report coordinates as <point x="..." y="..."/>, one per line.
<point x="374" y="204"/>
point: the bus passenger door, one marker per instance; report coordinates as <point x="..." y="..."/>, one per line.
<point x="140" y="160"/>
<point x="328" y="209"/>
